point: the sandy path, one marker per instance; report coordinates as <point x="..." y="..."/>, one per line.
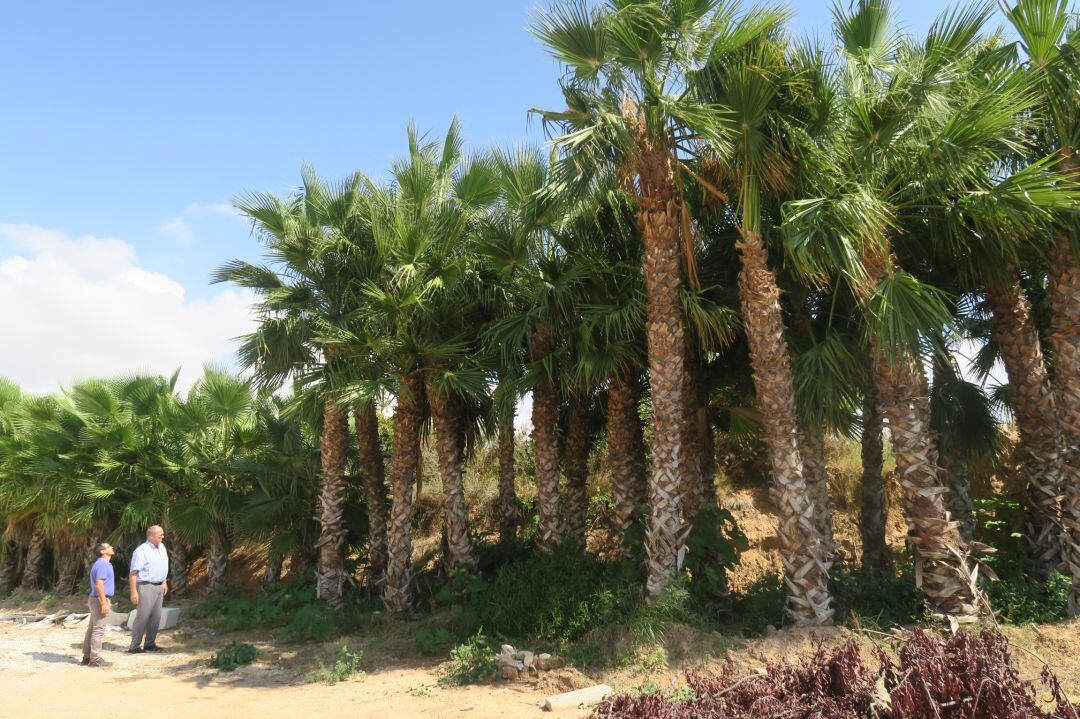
<point x="40" y="678"/>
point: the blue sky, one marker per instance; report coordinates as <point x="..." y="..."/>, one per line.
<point x="141" y="121"/>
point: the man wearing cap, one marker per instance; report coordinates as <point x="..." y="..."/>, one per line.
<point x="102" y="586"/>
<point x="149" y="569"/>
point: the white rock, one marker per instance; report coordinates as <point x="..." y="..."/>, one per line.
<point x="527" y="658"/>
<point x="509" y="673"/>
<point x="506" y="649"/>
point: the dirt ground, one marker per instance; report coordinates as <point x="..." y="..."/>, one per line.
<point x="40" y="676"/>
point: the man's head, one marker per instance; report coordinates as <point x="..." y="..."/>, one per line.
<point x="155" y="534"/>
<point x="104" y="550"/>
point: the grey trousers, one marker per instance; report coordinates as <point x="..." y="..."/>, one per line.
<point x="95" y="630"/>
<point x="148" y="615"/>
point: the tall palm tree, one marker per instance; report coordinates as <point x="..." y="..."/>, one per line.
<point x="913" y="144"/>
<point x="303" y="294"/>
<point x="759" y="88"/>
<point x="1050" y="40"/>
<point x="412" y="325"/>
<point x="628" y="112"/>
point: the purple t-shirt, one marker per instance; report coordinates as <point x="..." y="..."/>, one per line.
<point x="102" y="569"/>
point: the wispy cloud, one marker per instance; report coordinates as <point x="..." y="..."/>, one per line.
<point x="176" y="228"/>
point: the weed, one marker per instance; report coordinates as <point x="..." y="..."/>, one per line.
<point x="345" y="665"/>
<point x="648" y="689"/>
<point x="471" y="662"/>
<point x="233" y="656"/>
<point x="420" y="691"/>
<point x="585" y="655"/>
<point x="653" y="661"/>
<point x="683" y="694"/>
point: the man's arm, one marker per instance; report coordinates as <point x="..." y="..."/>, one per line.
<point x="132" y="579"/>
<point x="99" y="584"/>
<point x="164" y="588"/>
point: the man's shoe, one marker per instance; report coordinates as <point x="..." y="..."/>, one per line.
<point x="84" y="662"/>
<point x="98" y="663"/>
<point x="135" y="650"/>
<point x="152" y="648"/>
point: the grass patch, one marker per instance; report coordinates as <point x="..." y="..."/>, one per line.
<point x="471" y="663"/>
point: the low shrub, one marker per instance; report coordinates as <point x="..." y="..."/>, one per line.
<point x="556" y="597"/>
<point x="346" y="664"/>
<point x="471" y="662"/>
<point x="233" y="656"/>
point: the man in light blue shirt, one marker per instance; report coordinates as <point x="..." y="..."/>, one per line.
<point x="147" y="581"/>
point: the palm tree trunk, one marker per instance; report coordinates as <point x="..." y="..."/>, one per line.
<point x="217" y="558"/>
<point x="178" y="568"/>
<point x="1063" y="287"/>
<point x="816" y="474"/>
<point x="708" y="445"/>
<point x="576" y="467"/>
<point x="408" y="418"/>
<point x="806" y="570"/>
<point x="658" y="218"/>
<point x="508" y="501"/>
<point x="34" y="565"/>
<point x="690" y="457"/>
<point x="1039" y="454"/>
<point x="626" y="450"/>
<point x="873" y="502"/>
<point x="272" y="571"/>
<point x="373" y="478"/>
<point x="69" y="551"/>
<point x="955" y="470"/>
<point x="545" y="436"/>
<point x="333" y="443"/>
<point x="943" y="568"/>
<point x="448" y="445"/>
<point x="9" y="567"/>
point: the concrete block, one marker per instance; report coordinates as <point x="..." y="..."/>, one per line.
<point x="169" y="617"/>
<point x="116" y="619"/>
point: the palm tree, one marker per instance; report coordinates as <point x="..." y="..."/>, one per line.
<point x="628" y="113"/>
<point x="304" y="294"/>
<point x="520" y="244"/>
<point x="1050" y="39"/>
<point x="759" y="87"/>
<point x="412" y="327"/>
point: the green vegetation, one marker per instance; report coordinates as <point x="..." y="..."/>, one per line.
<point x="471" y="662"/>
<point x="234" y="655"/>
<point x="345" y="665"/>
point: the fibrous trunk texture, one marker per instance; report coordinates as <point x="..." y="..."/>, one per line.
<point x="873" y="504"/>
<point x="816" y="474"/>
<point x="334" y="443"/>
<point x="34" y="566"/>
<point x="10" y="567"/>
<point x="545" y="436"/>
<point x="576" y="468"/>
<point x="178" y="568"/>
<point x="508" y="501"/>
<point x="1039" y="454"/>
<point x="658" y="217"/>
<point x="373" y="478"/>
<point x="626" y="450"/>
<point x="272" y="571"/>
<point x="954" y="464"/>
<point x="806" y="571"/>
<point x="449" y="431"/>
<point x="69" y="551"/>
<point x="690" y="457"/>
<point x="408" y="417"/>
<point x="943" y="568"/>
<point x="1063" y="287"/>
<point x="708" y="445"/>
<point x="217" y="558"/>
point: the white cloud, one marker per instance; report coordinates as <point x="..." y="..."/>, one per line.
<point x="213" y="208"/>
<point x="82" y="307"/>
<point x="176" y="228"/>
